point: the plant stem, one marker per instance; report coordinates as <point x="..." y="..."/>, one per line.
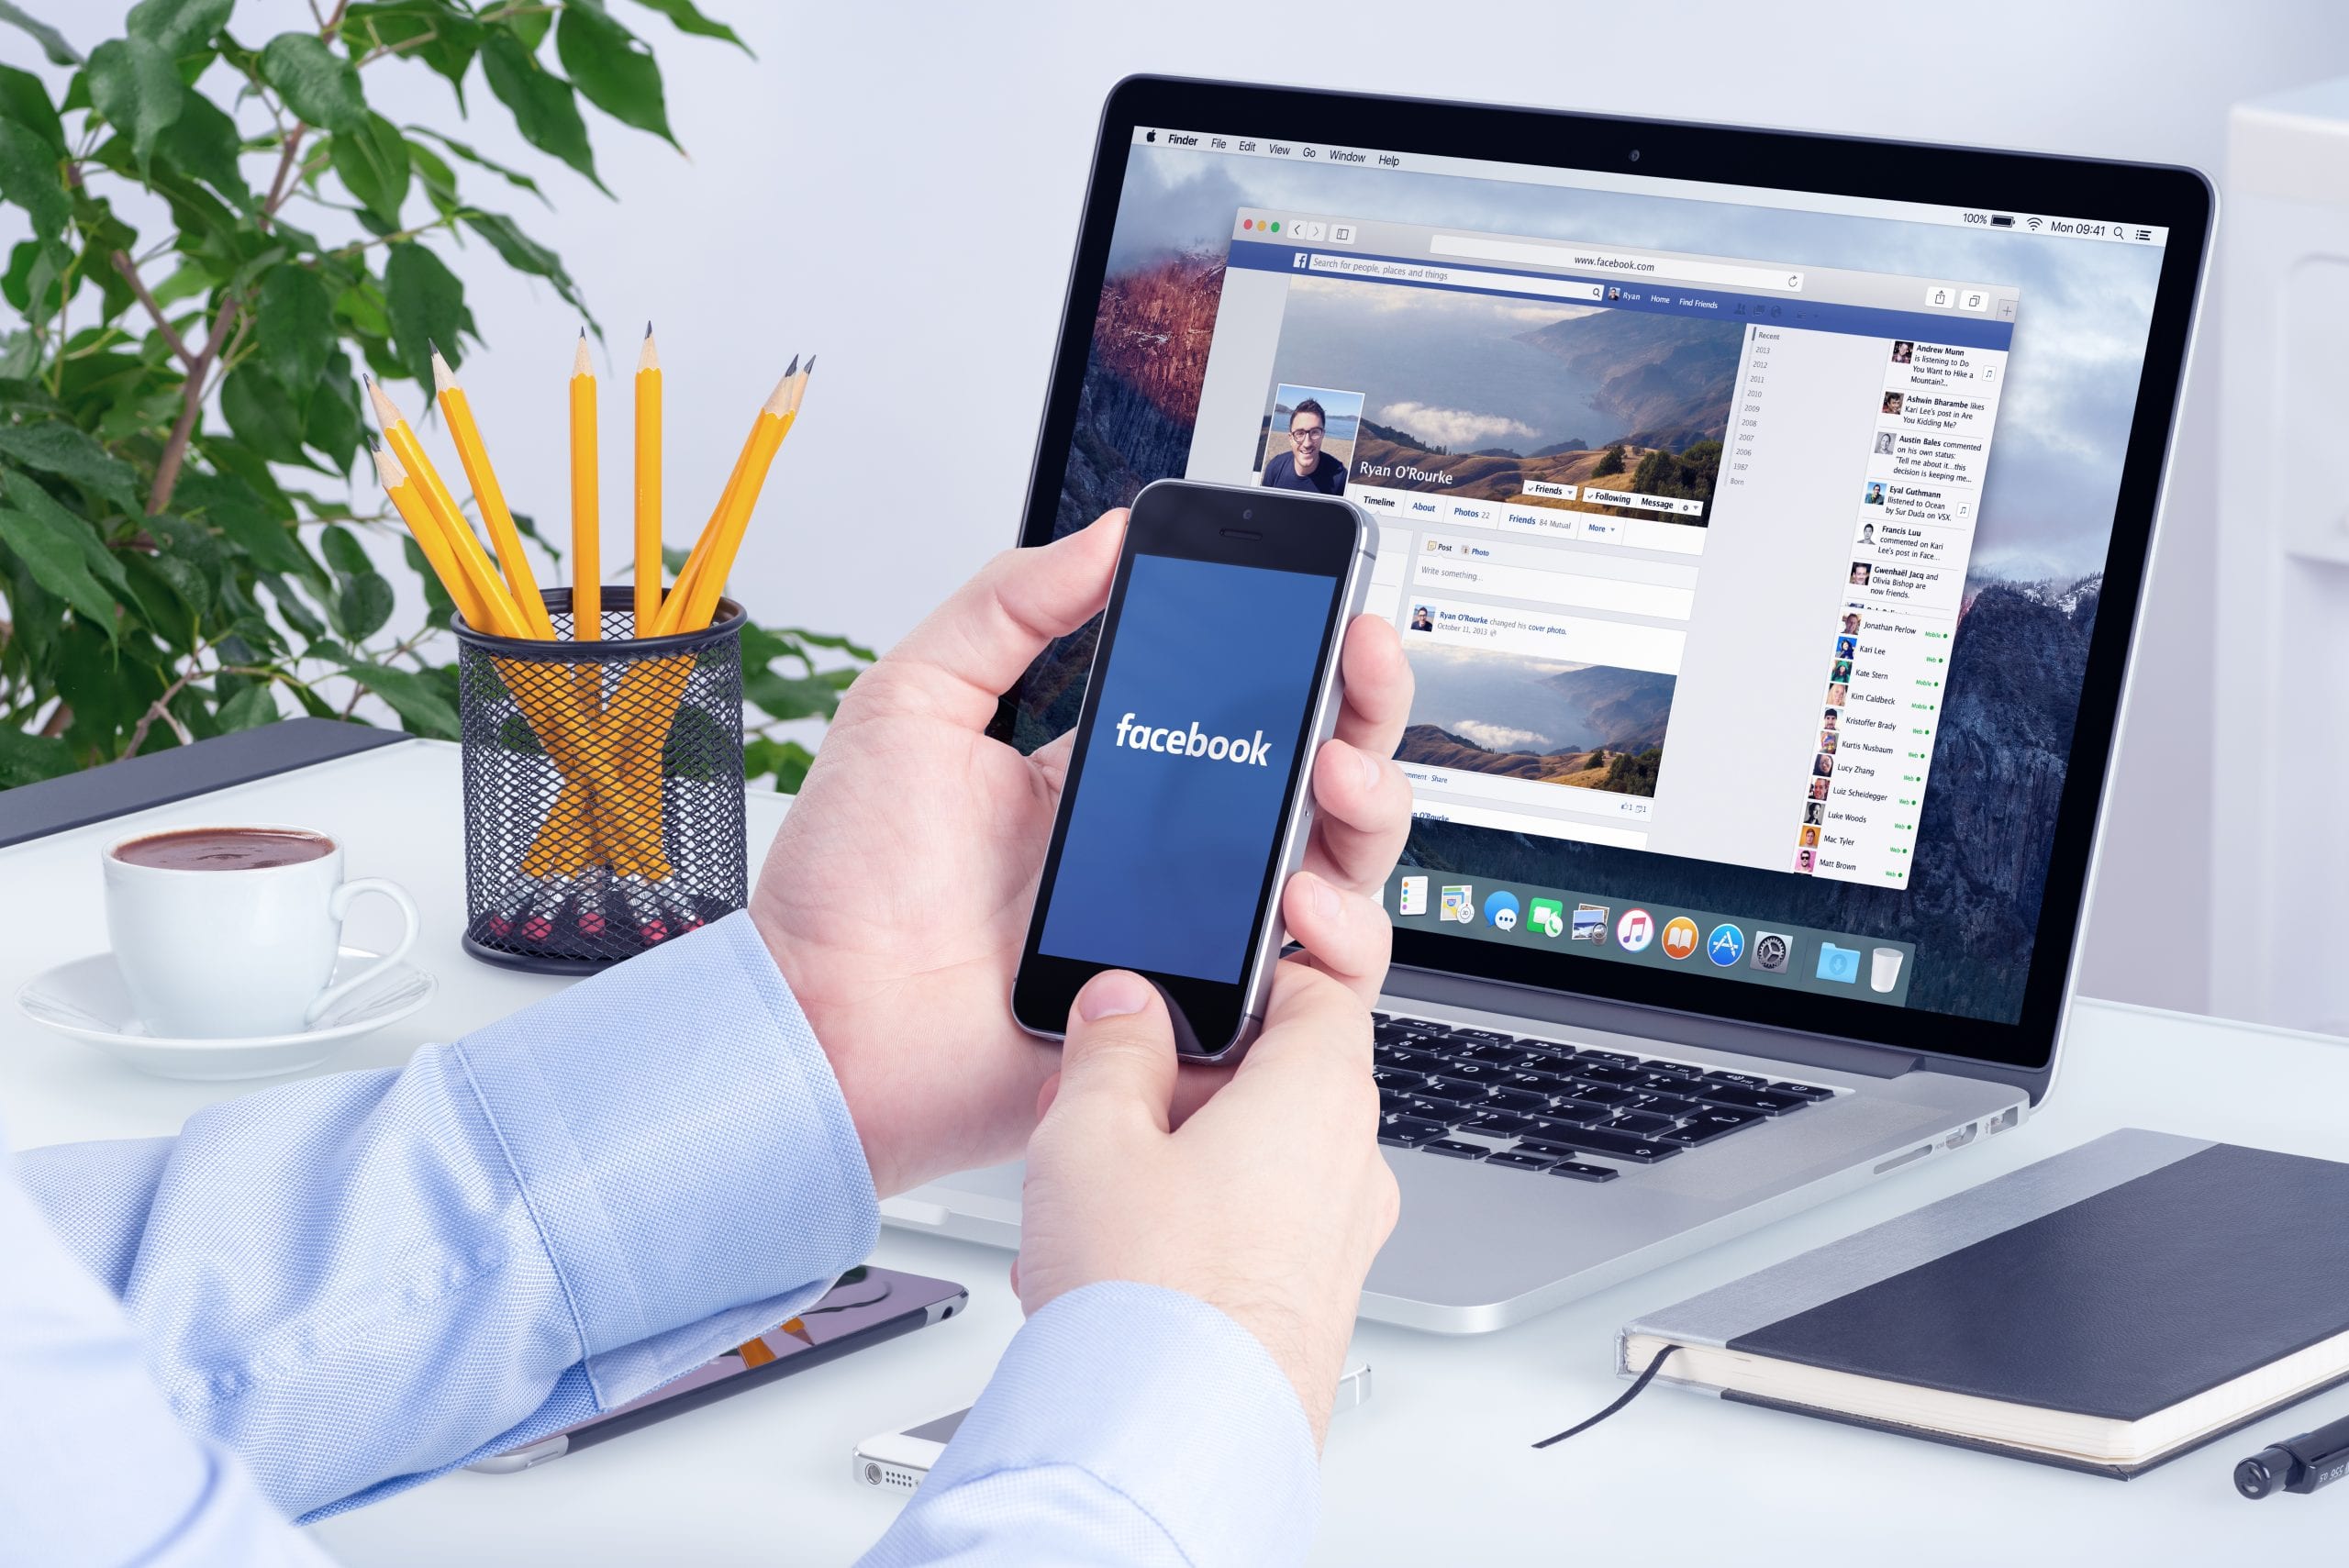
<point x="130" y="271"/>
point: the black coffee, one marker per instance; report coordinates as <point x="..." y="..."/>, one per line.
<point x="223" y="849"/>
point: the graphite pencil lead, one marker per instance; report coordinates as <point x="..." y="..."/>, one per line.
<point x="794" y="369"/>
<point x="648" y="329"/>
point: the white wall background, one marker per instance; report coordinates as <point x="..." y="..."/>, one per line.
<point x="895" y="187"/>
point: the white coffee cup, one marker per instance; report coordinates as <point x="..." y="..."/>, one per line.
<point x="1884" y="973"/>
<point x="236" y="953"/>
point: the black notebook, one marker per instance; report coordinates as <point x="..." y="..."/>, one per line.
<point x="2106" y="1310"/>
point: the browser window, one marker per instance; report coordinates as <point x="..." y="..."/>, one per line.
<point x="1745" y="542"/>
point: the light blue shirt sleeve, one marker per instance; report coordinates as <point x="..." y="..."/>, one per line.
<point x="344" y="1287"/>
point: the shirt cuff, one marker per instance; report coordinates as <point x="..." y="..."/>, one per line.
<point x="679" y="1137"/>
<point x="1184" y="1413"/>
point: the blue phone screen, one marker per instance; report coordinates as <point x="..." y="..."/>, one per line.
<point x="1204" y="694"/>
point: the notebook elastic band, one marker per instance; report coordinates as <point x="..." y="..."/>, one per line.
<point x="1629" y="1394"/>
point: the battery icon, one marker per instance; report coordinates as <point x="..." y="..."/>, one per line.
<point x="2002" y="220"/>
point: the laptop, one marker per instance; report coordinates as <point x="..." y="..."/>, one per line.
<point x="1766" y="516"/>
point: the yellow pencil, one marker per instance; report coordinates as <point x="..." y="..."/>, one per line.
<point x="491" y="615"/>
<point x="490" y="498"/>
<point x="773" y="424"/>
<point x="674" y="605"/>
<point x="647" y="486"/>
<point x="400" y="436"/>
<point x="586" y="516"/>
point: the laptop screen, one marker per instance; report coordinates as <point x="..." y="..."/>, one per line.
<point x="1746" y="543"/>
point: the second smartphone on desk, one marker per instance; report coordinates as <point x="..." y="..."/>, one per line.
<point x="1188" y="799"/>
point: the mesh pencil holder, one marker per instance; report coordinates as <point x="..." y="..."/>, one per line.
<point x="603" y="788"/>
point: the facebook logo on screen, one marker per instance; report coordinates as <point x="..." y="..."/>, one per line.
<point x="1204" y="694"/>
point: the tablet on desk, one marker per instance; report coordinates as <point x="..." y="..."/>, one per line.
<point x="867" y="1307"/>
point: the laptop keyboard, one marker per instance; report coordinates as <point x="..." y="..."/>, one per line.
<point x="1546" y="1108"/>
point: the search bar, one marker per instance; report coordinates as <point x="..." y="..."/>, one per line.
<point x="1451" y="277"/>
<point x="1590" y="259"/>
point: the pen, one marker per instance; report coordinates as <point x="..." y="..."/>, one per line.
<point x="2297" y="1464"/>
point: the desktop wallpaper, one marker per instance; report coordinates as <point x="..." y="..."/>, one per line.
<point x="1972" y="901"/>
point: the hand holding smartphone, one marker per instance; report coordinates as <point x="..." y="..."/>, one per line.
<point x="1186" y="805"/>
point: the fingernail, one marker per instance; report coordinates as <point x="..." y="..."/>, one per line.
<point x="1322" y="898"/>
<point x="1110" y="994"/>
<point x="1371" y="771"/>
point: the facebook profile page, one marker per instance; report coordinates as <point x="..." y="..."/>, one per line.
<point x="1205" y="690"/>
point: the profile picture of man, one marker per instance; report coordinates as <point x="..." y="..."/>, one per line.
<point x="1901" y="352"/>
<point x="1836" y="692"/>
<point x="1613" y="292"/>
<point x="1892" y="402"/>
<point x="1822" y="765"/>
<point x="1846" y="646"/>
<point x="1868" y="533"/>
<point x="1884" y="440"/>
<point x="1859" y="568"/>
<point x="1832" y="719"/>
<point x="1851" y="623"/>
<point x="1303" y="466"/>
<point x="1809" y="836"/>
<point x="1803" y="859"/>
<point x="1814" y="811"/>
<point x="1819" y="789"/>
<point x="1422" y="618"/>
<point x="1875" y="493"/>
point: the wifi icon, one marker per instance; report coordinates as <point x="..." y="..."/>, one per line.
<point x="2033" y="222"/>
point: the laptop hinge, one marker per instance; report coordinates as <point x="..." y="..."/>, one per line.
<point x="1659" y="1024"/>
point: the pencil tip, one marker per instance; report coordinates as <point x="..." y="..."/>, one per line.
<point x="792" y="369"/>
<point x="647" y="328"/>
<point x="811" y="364"/>
<point x="580" y="363"/>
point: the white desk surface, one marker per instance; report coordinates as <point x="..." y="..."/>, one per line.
<point x="1435" y="1468"/>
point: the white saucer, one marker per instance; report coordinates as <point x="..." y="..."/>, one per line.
<point x="87" y="1000"/>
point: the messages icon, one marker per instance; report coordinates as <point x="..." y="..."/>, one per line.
<point x="1840" y="965"/>
<point x="1500" y="909"/>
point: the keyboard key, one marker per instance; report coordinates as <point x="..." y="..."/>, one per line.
<point x="1523" y="1100"/>
<point x="1671" y="1082"/>
<point x="1579" y="1171"/>
<point x="1656" y="1104"/>
<point x="1639" y="1124"/>
<point x="1425" y="1026"/>
<point x="1393" y="1078"/>
<point x="1576" y="1113"/>
<point x="1810" y="1092"/>
<point x="1530" y="1078"/>
<point x="1502" y="1124"/>
<point x="1409" y="1132"/>
<point x="1521" y="1159"/>
<point x="1602" y="1094"/>
<point x="1382" y="1017"/>
<point x="1710" y="1124"/>
<point x="1600" y="1073"/>
<point x="1609" y="1058"/>
<point x="1410" y="1056"/>
<point x="1762" y="1100"/>
<point x="1489" y="1037"/>
<point x="1737" y="1080"/>
<point x="1464" y="1070"/>
<point x="1621" y="1145"/>
<point x="1445" y="1111"/>
<point x="1452" y="1148"/>
<point x="1467" y="1091"/>
<point x="1510" y="1056"/>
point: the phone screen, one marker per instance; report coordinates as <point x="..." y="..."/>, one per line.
<point x="1205" y="695"/>
<point x="1190" y="755"/>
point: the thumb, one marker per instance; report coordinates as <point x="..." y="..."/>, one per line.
<point x="1119" y="1054"/>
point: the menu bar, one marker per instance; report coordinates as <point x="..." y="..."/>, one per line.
<point x="2103" y="229"/>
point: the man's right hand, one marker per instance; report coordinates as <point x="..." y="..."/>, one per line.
<point x="1269" y="1202"/>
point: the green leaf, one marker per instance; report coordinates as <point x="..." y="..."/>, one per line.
<point x="449" y="36"/>
<point x="26" y="101"/>
<point x="317" y="84"/>
<point x="52" y="43"/>
<point x="334" y="425"/>
<point x="525" y="254"/>
<point x="28" y="759"/>
<point x="783" y="697"/>
<point x="787" y="761"/>
<point x="545" y="111"/>
<point x="29" y="498"/>
<point x="245" y="518"/>
<point x="420" y="707"/>
<point x="59" y="448"/>
<point x="530" y="24"/>
<point x="514" y="177"/>
<point x="427" y="303"/>
<point x="373" y="162"/>
<point x="249" y="709"/>
<point x="689" y="20"/>
<point x="206" y="145"/>
<point x="262" y="414"/>
<point x="178" y="27"/>
<point x="439" y="181"/>
<point x="294" y="325"/>
<point x="612" y="67"/>
<point x="29" y="178"/>
<point x="344" y="552"/>
<point x="696" y="742"/>
<point x="135" y="86"/>
<point x="56" y="560"/>
<point x="363" y="607"/>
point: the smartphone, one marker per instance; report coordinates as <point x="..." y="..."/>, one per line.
<point x="1187" y="803"/>
<point x="897" y="1461"/>
<point x="867" y="1307"/>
